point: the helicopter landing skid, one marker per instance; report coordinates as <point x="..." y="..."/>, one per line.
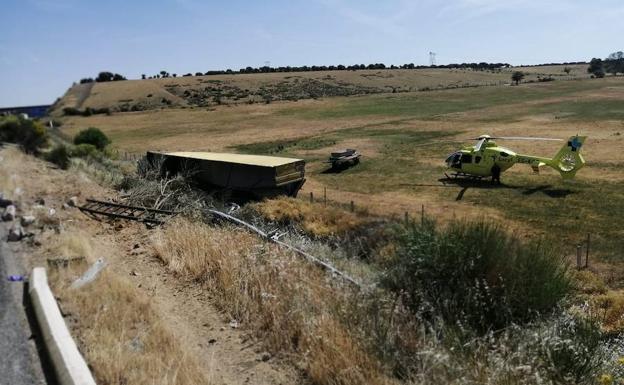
<point x="462" y="175"/>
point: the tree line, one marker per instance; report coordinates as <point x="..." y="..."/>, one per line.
<point x="613" y="64"/>
<point x="104" y="76"/>
<point x="482" y="66"/>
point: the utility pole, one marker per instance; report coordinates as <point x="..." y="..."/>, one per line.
<point x="432" y="58"/>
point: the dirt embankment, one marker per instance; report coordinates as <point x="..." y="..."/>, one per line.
<point x="136" y="323"/>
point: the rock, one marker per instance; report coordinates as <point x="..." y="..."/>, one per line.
<point x="66" y="206"/>
<point x="16" y="233"/>
<point x="234" y="324"/>
<point x="51" y="212"/>
<point x="134" y="273"/>
<point x="73" y="201"/>
<point x="5" y="202"/>
<point x="9" y="213"/>
<point x="212" y="341"/>
<point x="265" y="357"/>
<point x="27" y="220"/>
<point x="40" y="201"/>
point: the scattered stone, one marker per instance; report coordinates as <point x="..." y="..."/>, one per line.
<point x="73" y="201"/>
<point x="66" y="206"/>
<point x="16" y="233"/>
<point x="40" y="201"/>
<point x="51" y="212"/>
<point x="234" y="324"/>
<point x="27" y="220"/>
<point x="265" y="357"/>
<point x="134" y="273"/>
<point x="9" y="213"/>
<point x="65" y="262"/>
<point x="136" y="246"/>
<point x="119" y="227"/>
<point x="212" y="341"/>
<point x="5" y="202"/>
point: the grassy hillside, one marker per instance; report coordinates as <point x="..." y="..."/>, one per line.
<point x="207" y="91"/>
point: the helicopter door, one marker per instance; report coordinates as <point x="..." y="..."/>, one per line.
<point x="465" y="159"/>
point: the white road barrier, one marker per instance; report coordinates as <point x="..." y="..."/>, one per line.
<point x="69" y="365"/>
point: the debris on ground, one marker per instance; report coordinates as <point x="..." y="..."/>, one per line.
<point x="90" y="274"/>
<point x="27" y="220"/>
<point x="9" y="213"/>
<point x="73" y="201"/>
<point x="65" y="262"/>
<point x="16" y="233"/>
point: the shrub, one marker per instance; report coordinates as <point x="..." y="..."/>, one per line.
<point x="59" y="156"/>
<point x="84" y="150"/>
<point x="92" y="136"/>
<point x="28" y="134"/>
<point x="475" y="274"/>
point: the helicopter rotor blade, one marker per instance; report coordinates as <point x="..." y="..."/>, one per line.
<point x="522" y="138"/>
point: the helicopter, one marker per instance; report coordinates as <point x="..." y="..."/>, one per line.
<point x="487" y="159"/>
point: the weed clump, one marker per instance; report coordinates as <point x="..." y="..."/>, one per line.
<point x="475" y="274"/>
<point x="316" y="220"/>
<point x="30" y="135"/>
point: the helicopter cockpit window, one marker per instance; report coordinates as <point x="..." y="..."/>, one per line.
<point x="504" y="154"/>
<point x="453" y="160"/>
<point x="477" y="159"/>
<point x="465" y="158"/>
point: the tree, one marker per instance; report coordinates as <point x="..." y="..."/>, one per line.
<point x="92" y="136"/>
<point x="567" y="70"/>
<point x="143" y="76"/>
<point x="614" y="63"/>
<point x="596" y="68"/>
<point x="118" y="77"/>
<point x="104" y="76"/>
<point x="517" y="76"/>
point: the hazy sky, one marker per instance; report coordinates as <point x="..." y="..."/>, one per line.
<point x="45" y="45"/>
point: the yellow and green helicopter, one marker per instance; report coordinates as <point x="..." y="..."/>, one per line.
<point x="487" y="159"/>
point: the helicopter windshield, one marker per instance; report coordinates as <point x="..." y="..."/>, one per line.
<point x="453" y="160"/>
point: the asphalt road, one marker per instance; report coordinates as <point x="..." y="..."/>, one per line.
<point x="19" y="362"/>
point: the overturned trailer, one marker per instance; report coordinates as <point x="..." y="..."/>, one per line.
<point x="251" y="175"/>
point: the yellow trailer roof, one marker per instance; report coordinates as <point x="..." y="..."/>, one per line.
<point x="254" y="160"/>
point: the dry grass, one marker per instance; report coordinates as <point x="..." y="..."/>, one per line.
<point x="120" y="334"/>
<point x="314" y="218"/>
<point x="610" y="310"/>
<point x="288" y="303"/>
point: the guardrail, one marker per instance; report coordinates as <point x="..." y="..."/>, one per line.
<point x="69" y="365"/>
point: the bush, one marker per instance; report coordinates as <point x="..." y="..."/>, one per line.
<point x="475" y="274"/>
<point x="28" y="134"/>
<point x="59" y="156"/>
<point x="85" y="150"/>
<point x="92" y="136"/>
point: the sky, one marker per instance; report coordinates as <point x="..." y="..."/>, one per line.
<point x="45" y="45"/>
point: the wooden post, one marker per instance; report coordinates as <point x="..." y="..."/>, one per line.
<point x="311" y="197"/>
<point x="578" y="257"/>
<point x="406" y="219"/>
<point x="587" y="251"/>
<point x="352" y="207"/>
<point x="325" y="196"/>
<point x="422" y="214"/>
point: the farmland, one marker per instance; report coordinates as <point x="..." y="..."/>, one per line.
<point x="405" y="136"/>
<point x="509" y="303"/>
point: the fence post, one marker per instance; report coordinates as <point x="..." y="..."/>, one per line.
<point x="422" y="214"/>
<point x="325" y="196"/>
<point x="352" y="206"/>
<point x="578" y="257"/>
<point x="587" y="251"/>
<point x="311" y="197"/>
<point x="406" y="219"/>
